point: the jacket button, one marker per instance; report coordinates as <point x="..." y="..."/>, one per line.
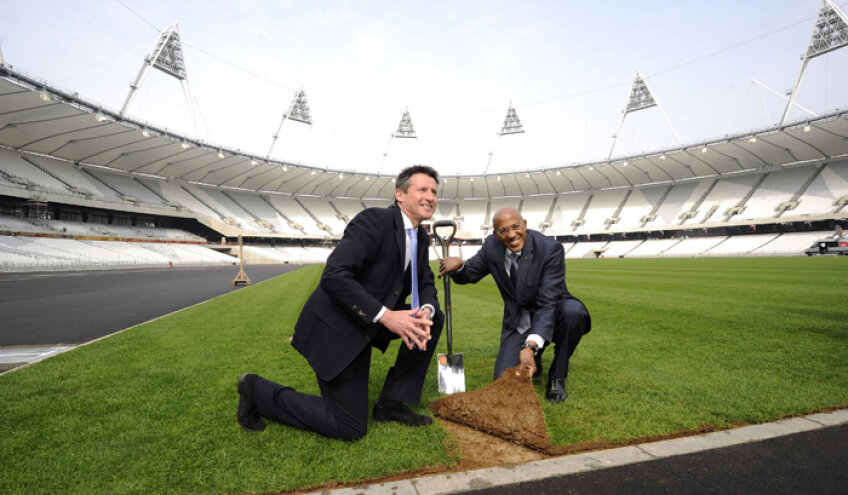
<point x="397" y="292"/>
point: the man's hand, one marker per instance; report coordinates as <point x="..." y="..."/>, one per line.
<point x="449" y="265"/>
<point x="413" y="326"/>
<point x="528" y="362"/>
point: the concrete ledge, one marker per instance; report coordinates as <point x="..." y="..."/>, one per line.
<point x="591" y="461"/>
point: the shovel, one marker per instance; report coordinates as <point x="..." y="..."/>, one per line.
<point x="451" y="366"/>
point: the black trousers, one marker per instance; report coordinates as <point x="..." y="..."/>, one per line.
<point x="572" y="322"/>
<point x="341" y="411"/>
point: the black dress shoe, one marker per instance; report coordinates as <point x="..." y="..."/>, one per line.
<point x="402" y="414"/>
<point x="247" y="413"/>
<point x="556" y="390"/>
<point x="538" y="359"/>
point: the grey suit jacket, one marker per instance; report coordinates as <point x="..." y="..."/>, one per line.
<point x="540" y="286"/>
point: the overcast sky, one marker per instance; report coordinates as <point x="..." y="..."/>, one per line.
<point x="566" y="66"/>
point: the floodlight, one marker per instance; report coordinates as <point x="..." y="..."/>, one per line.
<point x="100" y="117"/>
<point x="220" y="154"/>
<point x="752" y="140"/>
<point x="145" y="133"/>
<point x="807" y="128"/>
<point x="184" y="145"/>
<point x="44" y="96"/>
<point x="704" y="149"/>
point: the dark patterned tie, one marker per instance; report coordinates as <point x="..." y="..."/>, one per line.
<point x="513" y="268"/>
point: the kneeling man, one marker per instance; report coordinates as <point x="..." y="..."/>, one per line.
<point x="529" y="269"/>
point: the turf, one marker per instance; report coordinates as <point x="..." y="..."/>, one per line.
<point x="676" y="343"/>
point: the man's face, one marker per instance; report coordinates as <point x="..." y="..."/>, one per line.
<point x="511" y="229"/>
<point x="419" y="200"/>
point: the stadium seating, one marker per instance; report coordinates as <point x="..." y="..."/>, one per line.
<point x="566" y="212"/>
<point x="822" y="194"/>
<point x="777" y="188"/>
<point x="535" y="210"/>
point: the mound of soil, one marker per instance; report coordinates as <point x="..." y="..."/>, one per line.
<point x="507" y="408"/>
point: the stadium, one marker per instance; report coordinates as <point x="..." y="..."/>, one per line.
<point x="85" y="187"/>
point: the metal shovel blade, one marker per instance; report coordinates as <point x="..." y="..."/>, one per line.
<point x="451" y="365"/>
<point x="451" y="373"/>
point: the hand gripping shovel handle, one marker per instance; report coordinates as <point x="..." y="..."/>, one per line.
<point x="445" y="241"/>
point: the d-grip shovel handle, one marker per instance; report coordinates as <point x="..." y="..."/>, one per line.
<point x="445" y="242"/>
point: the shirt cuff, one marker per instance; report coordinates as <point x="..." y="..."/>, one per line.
<point x="536" y="339"/>
<point x="379" y="315"/>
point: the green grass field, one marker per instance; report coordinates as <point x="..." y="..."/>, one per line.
<point x="676" y="344"/>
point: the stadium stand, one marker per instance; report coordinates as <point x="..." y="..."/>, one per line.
<point x="537" y="210"/>
<point x="73" y="177"/>
<point x="824" y="193"/>
<point x="298" y="218"/>
<point x="693" y="246"/>
<point x="602" y="209"/>
<point x="640" y="204"/>
<point x="128" y="187"/>
<point x="747" y="197"/>
<point x="474" y="214"/>
<point x="174" y="194"/>
<point x="652" y="248"/>
<point x="322" y="210"/>
<point x="725" y="194"/>
<point x="569" y="208"/>
<point x="218" y="201"/>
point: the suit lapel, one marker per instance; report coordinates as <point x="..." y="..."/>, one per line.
<point x="400" y="238"/>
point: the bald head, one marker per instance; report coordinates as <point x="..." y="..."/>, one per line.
<point x="506" y="212"/>
<point x="510" y="228"/>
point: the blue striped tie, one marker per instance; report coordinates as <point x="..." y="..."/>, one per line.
<point x="413" y="258"/>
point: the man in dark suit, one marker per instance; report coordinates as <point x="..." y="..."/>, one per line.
<point x="529" y="269"/>
<point x="359" y="304"/>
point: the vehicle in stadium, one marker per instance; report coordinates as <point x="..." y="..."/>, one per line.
<point x="835" y="244"/>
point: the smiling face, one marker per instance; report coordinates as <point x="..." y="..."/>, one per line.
<point x="510" y="228"/>
<point x="418" y="202"/>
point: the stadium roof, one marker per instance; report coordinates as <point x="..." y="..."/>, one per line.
<point x="36" y="117"/>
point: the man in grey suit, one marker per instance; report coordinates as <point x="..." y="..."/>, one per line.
<point x="529" y="270"/>
<point x="359" y="304"/>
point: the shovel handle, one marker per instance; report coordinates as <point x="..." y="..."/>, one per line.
<point x="445" y="241"/>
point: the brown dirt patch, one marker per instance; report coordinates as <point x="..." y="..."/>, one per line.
<point x="507" y="408"/>
<point x="480" y="450"/>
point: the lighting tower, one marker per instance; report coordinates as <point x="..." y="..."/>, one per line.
<point x="298" y="111"/>
<point x="511" y="125"/>
<point x="641" y="98"/>
<point x="830" y="32"/>
<point x="167" y="56"/>
<point x="405" y="130"/>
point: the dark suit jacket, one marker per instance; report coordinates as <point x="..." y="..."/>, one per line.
<point x="541" y="280"/>
<point x="364" y="273"/>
